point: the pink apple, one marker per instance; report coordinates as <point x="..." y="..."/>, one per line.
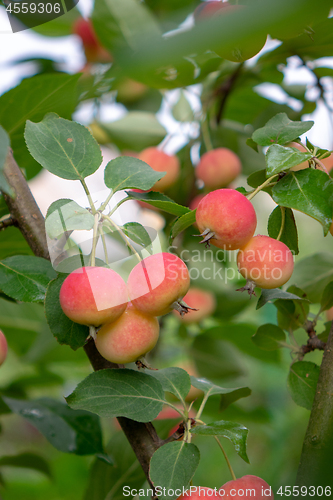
<point x="246" y="487"/>
<point x="93" y="296"/>
<point x="3" y="348"/>
<point x="158" y="283"/>
<point x="226" y="219"/>
<point x="218" y="168"/>
<point x="267" y="262"/>
<point x="128" y="338"/>
<point x="161" y="162"/>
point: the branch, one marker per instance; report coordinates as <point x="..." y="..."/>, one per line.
<point x="225" y="89"/>
<point x="7" y="221"/>
<point x="141" y="436"/>
<point x="24" y="208"/>
<point x="315" y="467"/>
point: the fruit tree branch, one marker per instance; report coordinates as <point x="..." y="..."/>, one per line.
<point x="23" y="207"/>
<point x="315" y="467"/>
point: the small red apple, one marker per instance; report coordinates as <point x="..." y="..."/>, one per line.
<point x="246" y="487"/>
<point x="265" y="261"/>
<point x="93" y="296"/>
<point x="161" y="162"/>
<point x="226" y="219"/>
<point x="3" y="348"/>
<point x="218" y="168"/>
<point x="128" y="338"/>
<point x="94" y="52"/>
<point x="201" y="302"/>
<point x="158" y="283"/>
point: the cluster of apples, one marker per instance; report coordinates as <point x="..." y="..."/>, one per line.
<point x="126" y="313"/>
<point x="227" y="219"/>
<point x="238" y="489"/>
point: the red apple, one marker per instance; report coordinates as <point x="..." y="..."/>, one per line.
<point x="265" y="261"/>
<point x="202" y="300"/>
<point x="128" y="338"/>
<point x="218" y="168"/>
<point x="161" y="162"/>
<point x="226" y="219"/>
<point x="93" y="296"/>
<point x="3" y="348"/>
<point x="246" y="487"/>
<point x="94" y="52"/>
<point x="157" y="284"/>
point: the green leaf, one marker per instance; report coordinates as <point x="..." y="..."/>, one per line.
<point x="119" y="393"/>
<point x="160" y="201"/>
<point x="238" y="334"/>
<point x="172" y="467"/>
<point x="66" y="215"/>
<point x="174" y="380"/>
<point x="268" y="337"/>
<point x="105" y="481"/>
<point x="137" y="130"/>
<point x="280" y="130"/>
<point x="13" y="243"/>
<point x="137" y="233"/>
<point x="38" y="95"/>
<point x="182" y="223"/>
<point x="228" y="396"/>
<point x="252" y="144"/>
<point x="302" y="382"/>
<point x="126" y="172"/>
<point x="4" y="145"/>
<point x="309" y="191"/>
<point x="182" y="110"/>
<point x="25" y="277"/>
<point x="69" y="431"/>
<point x="236" y="433"/>
<point x="275" y="293"/>
<point x="313" y="273"/>
<point x="65" y="148"/>
<point x="257" y="178"/>
<point x="279" y="158"/>
<point x="289" y="234"/>
<point x="27" y="461"/>
<point x="64" y="329"/>
<point x="123" y="23"/>
<point x="327" y="297"/>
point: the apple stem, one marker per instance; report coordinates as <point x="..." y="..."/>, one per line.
<point x="124" y="237"/>
<point x="262" y="186"/>
<point x="104" y="204"/>
<point x="104" y="244"/>
<point x="227" y="459"/>
<point x="91" y="203"/>
<point x="283" y="221"/>
<point x="205" y="134"/>
<point x="116" y="206"/>
<point x="94" y="240"/>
